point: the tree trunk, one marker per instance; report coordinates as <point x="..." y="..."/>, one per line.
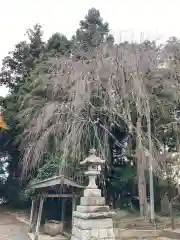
<point x="151" y="184"/>
<point x="171" y="215"/>
<point x="141" y="172"/>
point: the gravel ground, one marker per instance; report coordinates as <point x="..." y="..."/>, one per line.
<point x="12" y="229"/>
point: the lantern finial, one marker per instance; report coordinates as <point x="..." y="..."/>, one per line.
<point x="92" y="151"/>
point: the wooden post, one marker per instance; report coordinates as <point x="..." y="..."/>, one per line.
<point x="63" y="209"/>
<point x="35" y="211"/>
<point x="74" y="202"/>
<point x="39" y="218"/>
<point x="73" y="205"/>
<point x="31" y="215"/>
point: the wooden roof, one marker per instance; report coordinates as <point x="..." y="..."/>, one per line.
<point x="55" y="181"/>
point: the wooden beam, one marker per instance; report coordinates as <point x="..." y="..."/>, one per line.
<point x="54" y="181"/>
<point x="59" y="196"/>
<point x="39" y="218"/>
<point x="31" y="215"/>
<point x="49" y="182"/>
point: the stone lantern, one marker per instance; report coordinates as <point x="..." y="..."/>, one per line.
<point x="92" y="219"/>
<point x="93" y="163"/>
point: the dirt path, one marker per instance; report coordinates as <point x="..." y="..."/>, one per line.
<point x="11" y="228"/>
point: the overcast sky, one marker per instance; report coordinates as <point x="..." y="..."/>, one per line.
<point x="157" y="19"/>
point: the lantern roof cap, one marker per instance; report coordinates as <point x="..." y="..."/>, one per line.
<point x="93" y="159"/>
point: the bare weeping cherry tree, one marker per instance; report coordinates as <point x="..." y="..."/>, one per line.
<point x="120" y="85"/>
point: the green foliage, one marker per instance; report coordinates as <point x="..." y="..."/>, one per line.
<point x="122" y="176"/>
<point x="53" y="106"/>
<point x="15" y="74"/>
<point x="18" y="64"/>
<point x="58" y="44"/>
<point x="51" y="164"/>
<point x="92" y="31"/>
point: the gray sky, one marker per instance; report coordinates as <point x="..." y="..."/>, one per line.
<point x="157" y="19"/>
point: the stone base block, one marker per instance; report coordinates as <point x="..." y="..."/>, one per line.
<point x="74" y="238"/>
<point x="92" y="201"/>
<point x="95" y="233"/>
<point x="92" y="192"/>
<point x="89" y="224"/>
<point x="92" y="209"/>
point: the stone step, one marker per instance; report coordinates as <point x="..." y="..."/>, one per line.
<point x="92" y="209"/>
<point x="145" y="238"/>
<point x="93" y="233"/>
<point x="93" y="215"/>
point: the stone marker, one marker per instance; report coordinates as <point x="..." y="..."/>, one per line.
<point x="92" y="218"/>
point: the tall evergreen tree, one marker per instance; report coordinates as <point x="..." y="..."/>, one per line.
<point x="15" y="74"/>
<point x="58" y="44"/>
<point x="18" y="64"/>
<point x="92" y="31"/>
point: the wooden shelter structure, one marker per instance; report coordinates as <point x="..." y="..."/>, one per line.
<point x="68" y="181"/>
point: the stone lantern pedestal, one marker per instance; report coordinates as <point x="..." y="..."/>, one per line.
<point x="92" y="219"/>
